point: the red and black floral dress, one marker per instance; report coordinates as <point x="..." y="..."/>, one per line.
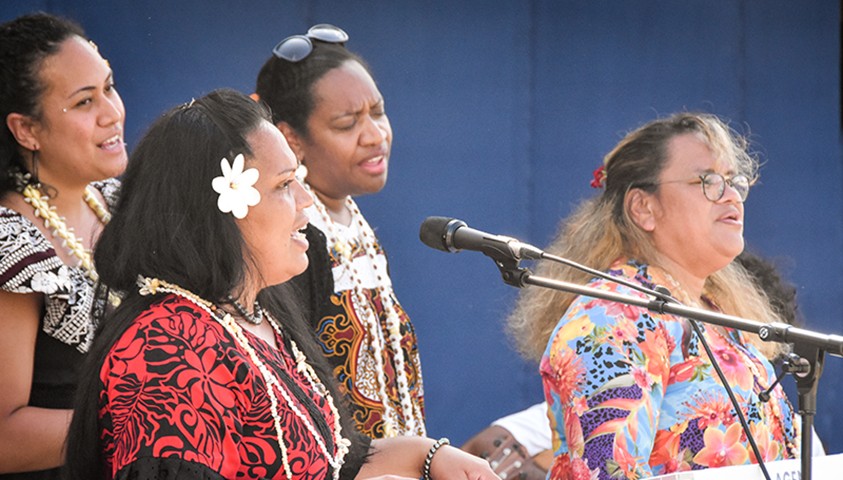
<point x="181" y="398"/>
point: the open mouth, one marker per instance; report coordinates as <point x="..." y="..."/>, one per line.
<point x="375" y="165"/>
<point x="112" y="143"/>
<point x="733" y="217"/>
<point x="300" y="233"/>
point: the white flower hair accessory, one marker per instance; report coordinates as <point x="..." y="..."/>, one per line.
<point x="236" y="187"/>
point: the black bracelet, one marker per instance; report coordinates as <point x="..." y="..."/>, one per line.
<point x="430" y="453"/>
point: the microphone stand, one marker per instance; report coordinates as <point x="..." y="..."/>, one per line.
<point x="808" y="345"/>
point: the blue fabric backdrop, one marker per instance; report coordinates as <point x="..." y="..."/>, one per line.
<point x="501" y="110"/>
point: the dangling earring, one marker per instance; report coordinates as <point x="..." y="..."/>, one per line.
<point x="47" y="190"/>
<point x="34" y="162"/>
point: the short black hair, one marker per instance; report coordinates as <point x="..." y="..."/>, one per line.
<point x="287" y="87"/>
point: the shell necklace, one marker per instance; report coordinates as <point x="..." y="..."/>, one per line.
<point x="413" y="418"/>
<point x="52" y="220"/>
<point x="151" y="286"/>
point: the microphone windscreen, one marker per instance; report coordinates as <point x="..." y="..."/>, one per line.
<point x="432" y="232"/>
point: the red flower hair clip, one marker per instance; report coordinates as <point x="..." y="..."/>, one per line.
<point x="599" y="174"/>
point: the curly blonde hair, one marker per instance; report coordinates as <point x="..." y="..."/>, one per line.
<point x="601" y="231"/>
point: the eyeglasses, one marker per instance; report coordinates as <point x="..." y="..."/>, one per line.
<point x="296" y="48"/>
<point x="714" y="185"/>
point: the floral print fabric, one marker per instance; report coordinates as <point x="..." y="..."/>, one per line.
<point x="177" y="388"/>
<point x="632" y="393"/>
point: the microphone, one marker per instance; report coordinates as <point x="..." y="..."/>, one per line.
<point x="452" y="235"/>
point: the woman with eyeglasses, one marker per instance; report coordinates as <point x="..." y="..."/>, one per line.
<point x="632" y="393"/>
<point x="325" y="101"/>
<point x="61" y="146"/>
<point x="202" y="372"/>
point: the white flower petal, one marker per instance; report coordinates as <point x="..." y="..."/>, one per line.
<point x="249" y="177"/>
<point x="226" y="168"/>
<point x="220" y="184"/>
<point x="251" y="196"/>
<point x="224" y="202"/>
<point x="237" y="166"/>
<point x="240" y="210"/>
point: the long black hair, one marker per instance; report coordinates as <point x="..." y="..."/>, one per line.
<point x="167" y="225"/>
<point x="25" y="43"/>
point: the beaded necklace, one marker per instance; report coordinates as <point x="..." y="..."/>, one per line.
<point x="413" y="418"/>
<point x="254" y="318"/>
<point x="151" y="286"/>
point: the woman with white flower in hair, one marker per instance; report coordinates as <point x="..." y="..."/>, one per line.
<point x="203" y="372"/>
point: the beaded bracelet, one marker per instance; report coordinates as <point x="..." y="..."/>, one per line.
<point x="430" y="453"/>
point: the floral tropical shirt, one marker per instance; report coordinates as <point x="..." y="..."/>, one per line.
<point x="633" y="394"/>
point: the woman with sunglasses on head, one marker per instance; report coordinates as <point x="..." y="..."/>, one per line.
<point x="632" y="393"/>
<point x="325" y="101"/>
<point x="202" y="372"/>
<point x="61" y="145"/>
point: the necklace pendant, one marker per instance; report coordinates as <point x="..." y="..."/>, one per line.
<point x="148" y="286"/>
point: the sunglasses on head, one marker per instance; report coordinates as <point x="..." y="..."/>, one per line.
<point x="296" y="48"/>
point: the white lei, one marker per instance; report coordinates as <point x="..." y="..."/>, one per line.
<point x="351" y="277"/>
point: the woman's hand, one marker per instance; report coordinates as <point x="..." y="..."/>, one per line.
<point x="451" y="463"/>
<point x="404" y="457"/>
